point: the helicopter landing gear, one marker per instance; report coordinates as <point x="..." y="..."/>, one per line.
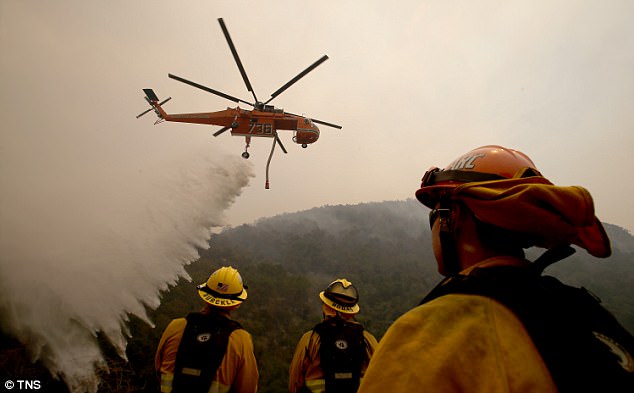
<point x="245" y="155"/>
<point x="304" y="145"/>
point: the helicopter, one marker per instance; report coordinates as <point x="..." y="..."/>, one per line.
<point x="263" y="120"/>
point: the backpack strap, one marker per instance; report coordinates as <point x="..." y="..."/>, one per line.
<point x="201" y="351"/>
<point x="550" y="256"/>
<point x="582" y="344"/>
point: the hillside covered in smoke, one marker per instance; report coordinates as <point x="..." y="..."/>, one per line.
<point x="383" y="248"/>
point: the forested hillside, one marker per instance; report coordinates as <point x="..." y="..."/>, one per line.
<point x="383" y="248"/>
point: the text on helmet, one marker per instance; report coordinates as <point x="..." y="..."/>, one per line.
<point x="340" y="307"/>
<point x="219" y="302"/>
<point x="466" y="162"/>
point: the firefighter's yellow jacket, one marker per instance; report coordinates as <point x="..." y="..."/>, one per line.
<point x="238" y="371"/>
<point x="305" y="367"/>
<point x="458" y="343"/>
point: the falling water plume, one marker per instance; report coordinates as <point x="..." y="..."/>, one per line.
<point x="87" y="242"/>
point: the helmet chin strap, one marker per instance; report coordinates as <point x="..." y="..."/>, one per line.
<point x="450" y="260"/>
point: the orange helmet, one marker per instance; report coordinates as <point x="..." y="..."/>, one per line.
<point x="485" y="163"/>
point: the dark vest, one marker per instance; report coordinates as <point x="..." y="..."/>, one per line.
<point x="342" y="352"/>
<point x="201" y="351"/>
<point x="583" y="345"/>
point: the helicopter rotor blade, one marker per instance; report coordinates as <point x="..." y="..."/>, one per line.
<point x="234" y="52"/>
<point x="208" y="89"/>
<point x="146" y="111"/>
<point x="317" y="121"/>
<point x="220" y="131"/>
<point x="298" y="77"/>
<point x="150" y="99"/>
<point x="326" y="123"/>
<point x="277" y="138"/>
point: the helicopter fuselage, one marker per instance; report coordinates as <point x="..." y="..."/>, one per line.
<point x="253" y="123"/>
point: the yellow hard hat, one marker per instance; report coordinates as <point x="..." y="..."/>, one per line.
<point x="341" y="296"/>
<point x="224" y="288"/>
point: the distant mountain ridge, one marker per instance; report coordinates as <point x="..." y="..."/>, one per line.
<point x="382" y="219"/>
<point x="620" y="238"/>
<point x="397" y="233"/>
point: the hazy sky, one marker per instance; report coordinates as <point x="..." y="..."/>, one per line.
<point x="413" y="85"/>
<point x="96" y="205"/>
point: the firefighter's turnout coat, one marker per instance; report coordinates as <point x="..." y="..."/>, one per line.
<point x="306" y="374"/>
<point x="458" y="343"/>
<point x="237" y="372"/>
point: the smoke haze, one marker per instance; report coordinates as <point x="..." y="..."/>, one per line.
<point x="90" y="236"/>
<point x="100" y="211"/>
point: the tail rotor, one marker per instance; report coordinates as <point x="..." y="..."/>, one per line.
<point x="153" y="99"/>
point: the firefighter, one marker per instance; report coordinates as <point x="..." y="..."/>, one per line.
<point x="486" y="207"/>
<point x="333" y="356"/>
<point x="208" y="351"/>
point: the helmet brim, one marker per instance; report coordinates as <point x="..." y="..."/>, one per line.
<point x="342" y="308"/>
<point x="217" y="301"/>
<point x="429" y="195"/>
